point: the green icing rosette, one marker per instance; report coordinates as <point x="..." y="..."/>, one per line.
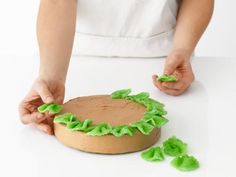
<point x="174" y="147"/>
<point x="155" y="120"/>
<point x="152" y="106"/>
<point x="143" y="127"/>
<point x="52" y="108"/>
<point x="154" y="154"/>
<point x="122" y="130"/>
<point x="99" y="130"/>
<point x="119" y="94"/>
<point x="79" y="125"/>
<point x="139" y="97"/>
<point x="157" y="103"/>
<point x="185" y="163"/>
<point x="167" y="78"/>
<point x="155" y="108"/>
<point x="65" y="118"/>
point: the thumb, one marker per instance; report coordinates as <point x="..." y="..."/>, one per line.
<point x="170" y="65"/>
<point x="44" y="93"/>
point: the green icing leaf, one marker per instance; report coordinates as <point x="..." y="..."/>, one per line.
<point x="139" y="97"/>
<point x="99" y="130"/>
<point x="167" y="78"/>
<point x="143" y="127"/>
<point x="43" y="108"/>
<point x="142" y="95"/>
<point x="155" y="108"/>
<point x="121" y="130"/>
<point x="78" y="125"/>
<point x="155" y="120"/>
<point x="121" y="93"/>
<point x="73" y="124"/>
<point x="154" y="154"/>
<point x="51" y="108"/>
<point x="174" y="147"/>
<point x="65" y="118"/>
<point x="159" y="104"/>
<point x="54" y="108"/>
<point x="185" y="163"/>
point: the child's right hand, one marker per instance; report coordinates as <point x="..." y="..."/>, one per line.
<point x="42" y="91"/>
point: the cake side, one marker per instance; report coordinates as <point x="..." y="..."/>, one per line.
<point x="107" y="144"/>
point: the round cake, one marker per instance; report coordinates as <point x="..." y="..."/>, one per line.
<point x="110" y="124"/>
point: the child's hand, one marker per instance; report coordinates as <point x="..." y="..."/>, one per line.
<point x="177" y="64"/>
<point x="41" y="92"/>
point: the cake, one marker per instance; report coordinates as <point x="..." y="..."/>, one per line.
<point x="110" y="124"/>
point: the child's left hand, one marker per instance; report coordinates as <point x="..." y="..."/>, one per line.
<point x="177" y="64"/>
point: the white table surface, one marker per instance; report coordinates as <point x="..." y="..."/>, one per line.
<point x="204" y="117"/>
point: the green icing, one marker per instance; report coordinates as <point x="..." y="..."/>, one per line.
<point x="153" y="106"/>
<point x="185" y="163"/>
<point x="143" y="127"/>
<point x="121" y="93"/>
<point x="65" y="118"/>
<point x="154" y="154"/>
<point x="157" y="103"/>
<point x="51" y="108"/>
<point x="122" y="130"/>
<point x="155" y="120"/>
<point x="99" y="130"/>
<point x="141" y="97"/>
<point x="154" y="109"/>
<point x="167" y="78"/>
<point x="43" y="108"/>
<point x="174" y="147"/>
<point x="78" y="125"/>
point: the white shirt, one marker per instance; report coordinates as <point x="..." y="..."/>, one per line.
<point x="125" y="28"/>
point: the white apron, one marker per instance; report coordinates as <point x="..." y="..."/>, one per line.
<point x="125" y="28"/>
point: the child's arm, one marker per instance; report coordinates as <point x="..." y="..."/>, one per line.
<point x="192" y="20"/>
<point x="55" y="31"/>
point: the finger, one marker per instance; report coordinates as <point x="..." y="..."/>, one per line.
<point x="170" y="66"/>
<point x="45" y="128"/>
<point x="173" y="92"/>
<point x="31" y="107"/>
<point x="25" y="113"/>
<point x="174" y="85"/>
<point x="156" y="82"/>
<point x="35" y="117"/>
<point x="176" y="92"/>
<point x="44" y="93"/>
<point x="154" y="78"/>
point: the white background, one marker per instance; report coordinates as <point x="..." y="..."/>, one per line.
<point x="18" y="19"/>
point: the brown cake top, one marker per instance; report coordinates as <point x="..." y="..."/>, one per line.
<point x="102" y="108"/>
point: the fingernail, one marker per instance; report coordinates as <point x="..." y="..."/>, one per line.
<point x="49" y="99"/>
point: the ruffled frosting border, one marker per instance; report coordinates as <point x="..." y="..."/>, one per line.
<point x="153" y="117"/>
